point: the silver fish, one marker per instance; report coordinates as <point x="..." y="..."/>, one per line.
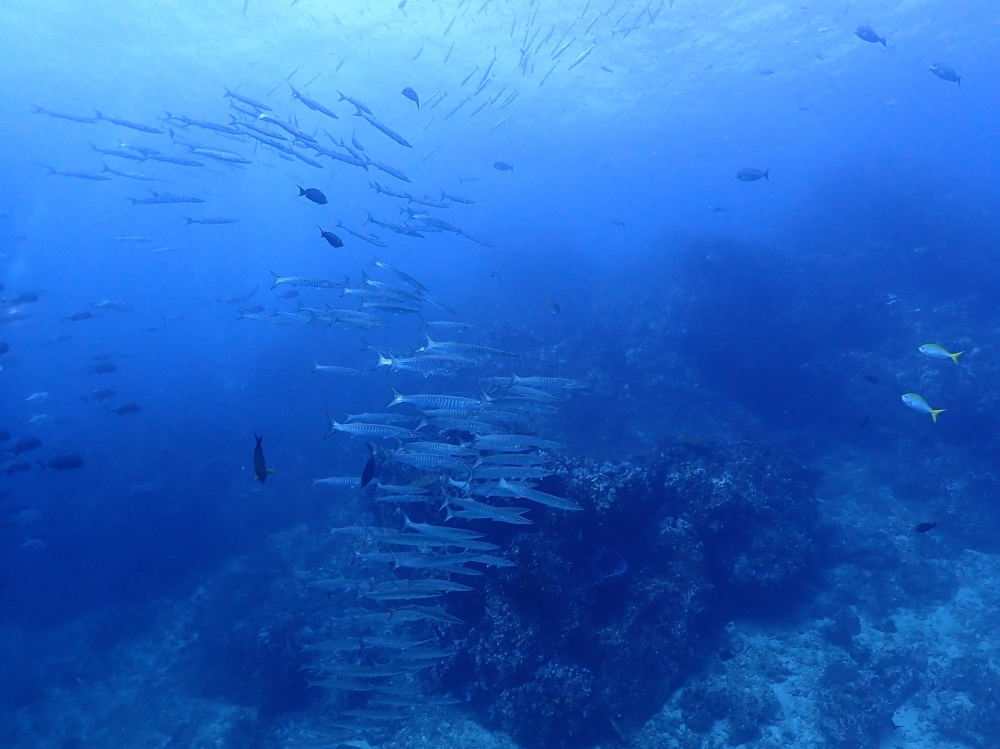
<point x="128" y="123"/>
<point x="335" y="370"/>
<point x="313" y="105"/>
<point x="534" y="495"/>
<point x="246" y="100"/>
<point x="383" y="128"/>
<point x="162" y="198"/>
<point x="388" y="191"/>
<point x="433" y="401"/>
<point x="357" y="104"/>
<point x="316" y="283"/>
<point x="356" y="429"/>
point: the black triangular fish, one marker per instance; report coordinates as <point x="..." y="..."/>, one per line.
<point x="259" y="467"/>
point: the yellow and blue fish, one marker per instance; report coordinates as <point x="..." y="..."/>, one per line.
<point x="939" y="352"/>
<point x="917" y="403"/>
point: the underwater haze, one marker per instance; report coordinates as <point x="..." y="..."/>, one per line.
<point x="499" y="374"/>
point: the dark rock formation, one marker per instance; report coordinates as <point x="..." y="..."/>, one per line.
<point x="610" y="609"/>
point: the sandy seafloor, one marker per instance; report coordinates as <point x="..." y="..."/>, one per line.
<point x="778" y="685"/>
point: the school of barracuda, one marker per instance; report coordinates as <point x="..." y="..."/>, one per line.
<point x="447" y="465"/>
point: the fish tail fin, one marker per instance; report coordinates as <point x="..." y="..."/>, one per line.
<point x="340" y="224"/>
<point x="397" y="397"/>
<point x="954" y="357"/>
<point x="374" y="263"/>
<point x="935" y="412"/>
<point x="321" y="232"/>
<point x="333" y="425"/>
<point x="105" y="169"/>
<point x="188" y="221"/>
<point x="99" y="115"/>
<point x="960" y="81"/>
<point x="134" y="200"/>
<point x="36" y="109"/>
<point x="369" y="219"/>
<point x="766" y="171"/>
<point x="275" y="284"/>
<point x="51" y="170"/>
<point x="301" y="191"/>
<point x="315" y="366"/>
<point x="41" y="465"/>
<point x="882" y="39"/>
<point x="423" y="322"/>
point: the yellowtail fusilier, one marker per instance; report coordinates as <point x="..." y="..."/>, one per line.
<point x="939" y="352"/>
<point x="917" y="403"/>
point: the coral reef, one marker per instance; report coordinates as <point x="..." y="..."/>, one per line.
<point x="608" y="609"/>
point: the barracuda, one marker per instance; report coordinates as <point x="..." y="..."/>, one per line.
<point x="356" y="429"/>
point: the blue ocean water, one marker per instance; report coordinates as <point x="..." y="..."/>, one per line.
<point x="669" y="267"/>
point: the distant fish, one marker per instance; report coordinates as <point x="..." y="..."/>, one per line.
<point x="616" y="222"/>
<point x="384" y="128"/>
<point x="368" y="473"/>
<point x="370" y="238"/>
<point x="24" y="445"/>
<point x="15" y="466"/>
<point x="717" y="208"/>
<point x="60" y="115"/>
<point x="4" y="347"/>
<point x="103" y="367"/>
<point x="355" y="142"/>
<point x="867" y="33"/>
<point x="129" y="124"/>
<point x="209" y="221"/>
<point x="357" y="104"/>
<point x="871" y="378"/>
<point x="125" y="408"/>
<point x="555" y="306"/>
<point x="503" y="166"/>
<point x="331" y="238"/>
<point x="129" y="175"/>
<point x="749" y="174"/>
<point x="78" y="316"/>
<point x="410" y="94"/>
<point x="164" y="198"/>
<point x="946" y="73"/>
<point x="288" y="294"/>
<point x="95" y="176"/>
<point x="937" y="352"/>
<point x="766" y="71"/>
<point x="246" y="100"/>
<point x="311" y="193"/>
<point x="63" y="462"/>
<point x="924" y="527"/>
<point x="917" y="403"/>
<point x="606" y="69"/>
<point x="313" y="105"/>
<point x="259" y="466"/>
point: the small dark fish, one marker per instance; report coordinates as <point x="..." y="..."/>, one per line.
<point x="24" y="298"/>
<point x="259" y="467"/>
<point x="77" y="316"/>
<point x="63" y="462"/>
<point x="255" y="309"/>
<point x="316" y="196"/>
<point x="606" y="69"/>
<point x="766" y="71"/>
<point x="410" y="94"/>
<point x="864" y="420"/>
<point x="4" y="347"/>
<point x="946" y="73"/>
<point x="99" y="395"/>
<point x="330" y="237"/>
<point x="749" y="174"/>
<point x="125" y="408"/>
<point x="616" y="222"/>
<point x="924" y="527"/>
<point x="717" y="208"/>
<point x="289" y="294"/>
<point x="867" y="33"/>
<point x="369" y="470"/>
<point x="871" y="378"/>
<point x="402" y="4"/>
<point x="104" y="367"/>
<point x="24" y="445"/>
<point x="503" y="166"/>
<point x="356" y="142"/>
<point x="4" y="435"/>
<point x="15" y="466"/>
